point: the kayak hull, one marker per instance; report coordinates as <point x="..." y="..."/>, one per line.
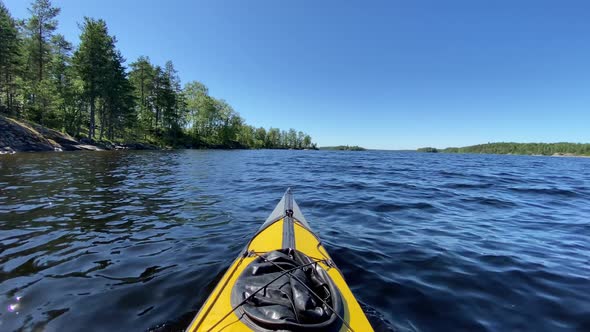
<point x="218" y="314"/>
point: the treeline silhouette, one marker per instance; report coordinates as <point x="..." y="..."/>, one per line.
<point x="546" y="149"/>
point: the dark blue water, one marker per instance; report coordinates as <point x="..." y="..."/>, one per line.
<point x="125" y="241"/>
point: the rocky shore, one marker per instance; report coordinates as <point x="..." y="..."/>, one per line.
<point x="26" y="136"/>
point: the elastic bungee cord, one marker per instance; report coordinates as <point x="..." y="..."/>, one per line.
<point x="256" y="292"/>
<point x="285" y="272"/>
<point x="309" y="289"/>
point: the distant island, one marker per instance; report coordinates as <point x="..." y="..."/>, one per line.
<point x="343" y="148"/>
<point x="428" y="149"/>
<point x="544" y="149"/>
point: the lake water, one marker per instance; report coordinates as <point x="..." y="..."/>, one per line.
<point x="127" y="241"/>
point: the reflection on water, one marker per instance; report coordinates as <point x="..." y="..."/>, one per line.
<point x="132" y="240"/>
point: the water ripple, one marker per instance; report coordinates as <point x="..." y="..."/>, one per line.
<point x="428" y="242"/>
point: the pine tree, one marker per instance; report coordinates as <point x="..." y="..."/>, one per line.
<point x="39" y="30"/>
<point x="142" y="78"/>
<point x="194" y="94"/>
<point x="169" y="87"/>
<point x="118" y="111"/>
<point x="10" y="46"/>
<point x="92" y="63"/>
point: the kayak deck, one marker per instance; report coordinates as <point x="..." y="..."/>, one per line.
<point x="218" y="314"/>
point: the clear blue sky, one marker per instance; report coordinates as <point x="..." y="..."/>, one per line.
<point x="380" y="74"/>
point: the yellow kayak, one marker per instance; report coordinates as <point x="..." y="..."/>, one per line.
<point x="284" y="280"/>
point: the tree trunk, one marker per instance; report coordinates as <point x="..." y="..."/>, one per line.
<point x="111" y="131"/>
<point x="40" y="50"/>
<point x="41" y="102"/>
<point x="66" y="125"/>
<point x="142" y="100"/>
<point x="157" y="118"/>
<point x="78" y="121"/>
<point x="91" y="128"/>
<point x="8" y="101"/>
<point x="102" y="122"/>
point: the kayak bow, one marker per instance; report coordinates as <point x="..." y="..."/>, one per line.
<point x="283" y="280"/>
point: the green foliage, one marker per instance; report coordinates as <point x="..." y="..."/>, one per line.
<point x="142" y="77"/>
<point x="91" y="64"/>
<point x="213" y="122"/>
<point x="545" y="149"/>
<point x="38" y="33"/>
<point x="10" y="57"/>
<point x="90" y="91"/>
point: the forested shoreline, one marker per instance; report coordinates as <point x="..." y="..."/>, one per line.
<point x="87" y="91"/>
<point x="546" y="149"/>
